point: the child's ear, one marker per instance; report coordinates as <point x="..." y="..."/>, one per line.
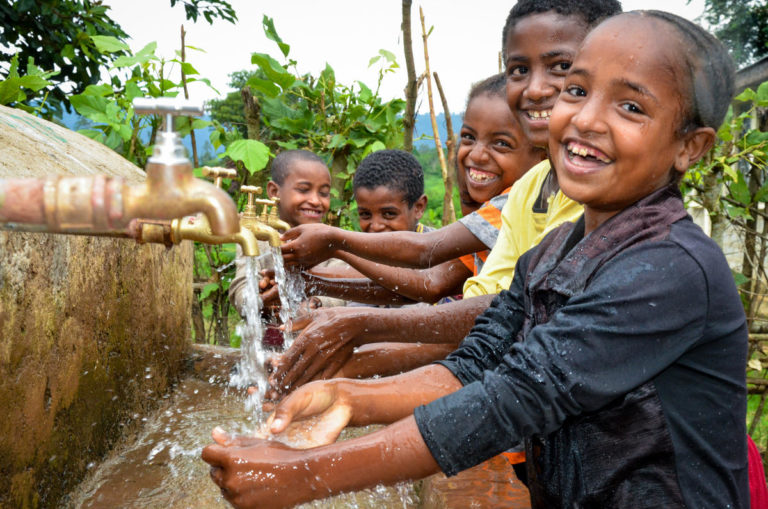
<point x="272" y="189"/>
<point x="420" y="206"/>
<point x="695" y="145"/>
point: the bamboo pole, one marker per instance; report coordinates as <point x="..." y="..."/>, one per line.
<point x="449" y="215"/>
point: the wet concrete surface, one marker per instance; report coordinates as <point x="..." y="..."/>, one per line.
<point x="160" y="466"/>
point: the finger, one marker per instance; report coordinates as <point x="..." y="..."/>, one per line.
<point x="221" y="437"/>
<point x="214" y="455"/>
<point x="217" y="475"/>
<point x="298" y="323"/>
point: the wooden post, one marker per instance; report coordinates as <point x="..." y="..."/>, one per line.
<point x="411" y="86"/>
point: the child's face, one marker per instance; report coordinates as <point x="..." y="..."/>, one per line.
<point x="382" y="209"/>
<point x="614" y="129"/>
<point x="539" y="49"/>
<point x="493" y="152"/>
<point x="305" y="195"/>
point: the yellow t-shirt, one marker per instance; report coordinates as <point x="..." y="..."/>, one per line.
<point x="521" y="229"/>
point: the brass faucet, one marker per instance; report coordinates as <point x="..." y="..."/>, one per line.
<point x="195" y="227"/>
<point x="108" y="204"/>
<point x="260" y="224"/>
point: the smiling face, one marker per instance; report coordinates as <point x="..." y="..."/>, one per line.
<point x="382" y="209"/>
<point x="305" y="195"/>
<point x="614" y="130"/>
<point x="539" y="49"/>
<point x="493" y="152"/>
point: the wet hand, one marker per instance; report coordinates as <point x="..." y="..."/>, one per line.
<point x="257" y="473"/>
<point x="321" y="348"/>
<point x="309" y="244"/>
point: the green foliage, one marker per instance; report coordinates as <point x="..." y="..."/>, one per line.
<point x="15" y="89"/>
<point x="108" y="106"/>
<point x="210" y="9"/>
<point x="75" y="39"/>
<point x="742" y="25"/>
<point x="341" y="123"/>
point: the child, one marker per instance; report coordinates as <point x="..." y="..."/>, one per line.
<point x="540" y="39"/>
<point x="302" y="182"/>
<point x="492" y="155"/>
<point x="618" y="353"/>
<point x="389" y="191"/>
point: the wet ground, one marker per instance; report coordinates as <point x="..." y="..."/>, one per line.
<point x="160" y="467"/>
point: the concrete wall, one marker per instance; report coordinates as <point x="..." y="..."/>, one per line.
<point x="92" y="330"/>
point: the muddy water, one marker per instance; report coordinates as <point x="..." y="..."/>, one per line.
<point x="160" y="467"/>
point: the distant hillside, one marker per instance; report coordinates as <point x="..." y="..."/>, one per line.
<point x="424" y="128"/>
<point x="205" y="150"/>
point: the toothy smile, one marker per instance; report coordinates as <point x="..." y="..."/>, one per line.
<point x="480" y="176"/>
<point x="311" y="212"/>
<point x="539" y="114"/>
<point x="586" y="152"/>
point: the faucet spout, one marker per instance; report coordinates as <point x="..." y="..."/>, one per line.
<point x="262" y="231"/>
<point x="195" y="228"/>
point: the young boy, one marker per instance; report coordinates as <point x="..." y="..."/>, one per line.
<point x="389" y="191"/>
<point x="302" y="182"/>
<point x="618" y="353"/>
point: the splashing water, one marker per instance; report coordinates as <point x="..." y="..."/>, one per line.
<point x="250" y="369"/>
<point x="292" y="293"/>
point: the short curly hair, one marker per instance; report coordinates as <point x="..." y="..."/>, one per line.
<point x="395" y="169"/>
<point x="590" y="11"/>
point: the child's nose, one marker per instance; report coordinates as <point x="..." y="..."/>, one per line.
<point x="378" y="226"/>
<point x="590" y="117"/>
<point x="479" y="152"/>
<point x="539" y="87"/>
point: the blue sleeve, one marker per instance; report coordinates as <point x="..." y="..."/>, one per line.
<point x="639" y="314"/>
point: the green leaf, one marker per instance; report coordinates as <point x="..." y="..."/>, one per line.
<point x="762" y="93"/>
<point x="89" y="106"/>
<point x="252" y="153"/>
<point x="93" y="134"/>
<point x="188" y="69"/>
<point x="207" y="290"/>
<point x="740" y="190"/>
<point x="755" y="137"/>
<point x="271" y="33"/>
<point x="365" y="94"/>
<point x="98" y="90"/>
<point x="736" y="212"/>
<point x="748" y="95"/>
<point x="108" y="44"/>
<point x="273" y="70"/>
<point x="373" y="60"/>
<point x="388" y="55"/>
<point x="739" y="278"/>
<point x="266" y="87"/>
<point x="762" y="194"/>
<point x="374" y="147"/>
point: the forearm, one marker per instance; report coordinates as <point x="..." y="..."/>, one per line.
<point x="394" y="454"/>
<point x="357" y="290"/>
<point x="389" y="399"/>
<point x="446" y="323"/>
<point x="410" y="249"/>
<point x="423" y="285"/>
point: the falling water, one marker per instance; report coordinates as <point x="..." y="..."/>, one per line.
<point x="291" y="290"/>
<point x="250" y="370"/>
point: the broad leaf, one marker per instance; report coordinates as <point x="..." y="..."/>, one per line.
<point x="252" y="153"/>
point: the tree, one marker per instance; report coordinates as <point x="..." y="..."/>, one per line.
<point x="742" y="25"/>
<point x="59" y="36"/>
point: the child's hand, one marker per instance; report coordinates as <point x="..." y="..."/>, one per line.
<point x="268" y="291"/>
<point x="321" y="348"/>
<point x="309" y="244"/>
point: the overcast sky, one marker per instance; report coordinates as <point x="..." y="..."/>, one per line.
<point x="463" y="47"/>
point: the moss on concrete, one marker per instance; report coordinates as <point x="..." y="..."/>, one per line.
<point x="93" y="331"/>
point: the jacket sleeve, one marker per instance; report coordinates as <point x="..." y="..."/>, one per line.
<point x="639" y="314"/>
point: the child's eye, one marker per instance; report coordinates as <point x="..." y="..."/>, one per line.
<point x="503" y="144"/>
<point x="324" y="194"/>
<point x="517" y="70"/>
<point x="389" y="215"/>
<point x="576" y="91"/>
<point x="467" y="137"/>
<point x="561" y="67"/>
<point x="632" y="108"/>
<point x="302" y="190"/>
<point x="364" y="215"/>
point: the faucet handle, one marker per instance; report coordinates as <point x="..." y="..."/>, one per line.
<point x="168" y="107"/>
<point x="218" y="173"/>
<point x="251" y="191"/>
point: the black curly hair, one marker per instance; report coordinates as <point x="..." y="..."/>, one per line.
<point x="495" y="85"/>
<point x="281" y="165"/>
<point x="590" y="11"/>
<point x="395" y="169"/>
